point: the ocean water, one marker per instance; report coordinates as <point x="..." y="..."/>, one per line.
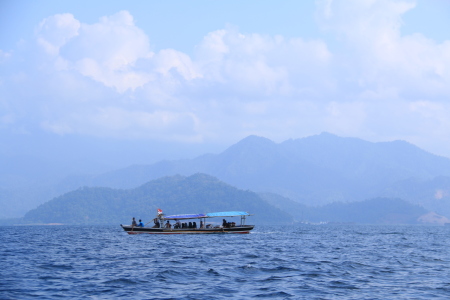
<point x="273" y="262"/>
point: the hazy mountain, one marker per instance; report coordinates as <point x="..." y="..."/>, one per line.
<point x="198" y="193"/>
<point x="371" y="211"/>
<point x="203" y="193"/>
<point x="315" y="170"/>
<point x="431" y="193"/>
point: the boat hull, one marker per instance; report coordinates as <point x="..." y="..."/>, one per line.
<point x="138" y="230"/>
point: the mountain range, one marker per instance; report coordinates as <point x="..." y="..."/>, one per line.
<point x="314" y="171"/>
<point x="200" y="193"/>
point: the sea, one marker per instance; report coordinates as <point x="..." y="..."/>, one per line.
<point x="272" y="262"/>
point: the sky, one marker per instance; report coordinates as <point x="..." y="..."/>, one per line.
<point x="124" y="82"/>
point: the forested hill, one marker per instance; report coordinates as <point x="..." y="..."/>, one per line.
<point x="198" y="193"/>
<point x="315" y="170"/>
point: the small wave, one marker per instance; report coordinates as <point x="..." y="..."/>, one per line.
<point x="223" y="290"/>
<point x="274" y="294"/>
<point x="55" y="267"/>
<point x="49" y="277"/>
<point x="120" y="281"/>
<point x="213" y="272"/>
<point x="313" y="274"/>
<point x="353" y="265"/>
<point x="278" y="269"/>
<point x="251" y="256"/>
<point x="342" y="285"/>
<point x="272" y="278"/>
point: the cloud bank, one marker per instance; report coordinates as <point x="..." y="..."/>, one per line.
<point x="105" y="79"/>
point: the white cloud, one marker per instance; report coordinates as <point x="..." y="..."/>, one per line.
<point x="55" y="31"/>
<point x="114" y="42"/>
<point x="372" y="82"/>
<point x="113" y="51"/>
<point x="381" y="57"/>
<point x="169" y="59"/>
<point x="107" y="52"/>
<point x="260" y="65"/>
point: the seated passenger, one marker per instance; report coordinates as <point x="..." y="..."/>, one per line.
<point x="155" y="220"/>
<point x="194" y="225"/>
<point x="201" y="224"/>
<point x="140" y="223"/>
<point x="190" y="225"/>
<point x="133" y="223"/>
<point x="224" y="223"/>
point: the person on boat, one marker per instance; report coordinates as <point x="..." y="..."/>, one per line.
<point x="177" y="224"/>
<point x="140" y="223"/>
<point x="155" y="220"/>
<point x="224" y="223"/>
<point x="201" y="224"/>
<point x="194" y="225"/>
<point x="168" y="224"/>
<point x="190" y="225"/>
<point x="133" y="223"/>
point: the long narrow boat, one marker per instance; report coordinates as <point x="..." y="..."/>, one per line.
<point x="162" y="220"/>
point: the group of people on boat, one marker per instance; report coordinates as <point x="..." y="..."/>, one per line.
<point x="226" y="224"/>
<point x="179" y="225"/>
<point x="135" y="224"/>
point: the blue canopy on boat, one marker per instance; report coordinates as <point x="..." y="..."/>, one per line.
<point x="227" y="214"/>
<point x="208" y="215"/>
<point x="188" y="216"/>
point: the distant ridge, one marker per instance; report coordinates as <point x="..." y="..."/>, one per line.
<point x="198" y="193"/>
<point x="315" y="170"/>
<point x="201" y="193"/>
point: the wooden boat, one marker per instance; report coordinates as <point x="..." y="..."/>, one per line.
<point x="161" y="221"/>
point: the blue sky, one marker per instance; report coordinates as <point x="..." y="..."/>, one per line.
<point x="146" y="80"/>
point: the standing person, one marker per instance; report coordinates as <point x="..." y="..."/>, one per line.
<point x="224" y="223"/>
<point x="133" y="223"/>
<point x="201" y="224"/>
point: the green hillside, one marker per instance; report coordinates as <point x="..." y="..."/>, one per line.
<point x="370" y="211"/>
<point x="198" y="193"/>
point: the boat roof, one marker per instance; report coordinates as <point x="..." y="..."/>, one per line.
<point x="182" y="217"/>
<point x="227" y="214"/>
<point x="208" y="215"/>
